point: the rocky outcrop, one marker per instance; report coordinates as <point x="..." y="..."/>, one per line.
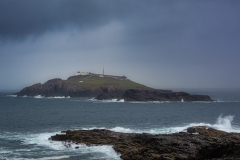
<point x="105" y="88"/>
<point x="59" y="87"/>
<point x="110" y="93"/>
<point x="154" y="95"/>
<point x="53" y="87"/>
<point x="197" y="143"/>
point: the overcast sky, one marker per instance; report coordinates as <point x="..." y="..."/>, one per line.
<point x="159" y="43"/>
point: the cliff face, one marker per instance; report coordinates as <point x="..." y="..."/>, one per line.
<point x="53" y="87"/>
<point x="59" y="87"/>
<point x="197" y="143"/>
<point x="105" y="88"/>
<point x="33" y="90"/>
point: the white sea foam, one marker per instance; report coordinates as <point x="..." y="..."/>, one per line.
<point x="107" y="101"/>
<point x="220" y="101"/>
<point x="43" y="140"/>
<point x="91" y="128"/>
<point x="48" y="149"/>
<point x="183" y="102"/>
<point x="4" y="151"/>
<point x="217" y="101"/>
<point x="56" y="97"/>
<point x="106" y="150"/>
<point x="12" y="95"/>
<point x="150" y="131"/>
<point x="121" y="100"/>
<point x="38" y="96"/>
<point x="113" y="100"/>
<point x="44" y="158"/>
<point x="222" y="123"/>
<point x="151" y="102"/>
<point x="54" y="157"/>
<point x="122" y="129"/>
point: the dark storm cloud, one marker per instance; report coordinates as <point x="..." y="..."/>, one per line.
<point x="26" y="17"/>
<point x="177" y="43"/>
<point x="145" y="20"/>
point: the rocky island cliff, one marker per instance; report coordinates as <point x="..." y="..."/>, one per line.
<point x="104" y="87"/>
<point x="196" y="143"/>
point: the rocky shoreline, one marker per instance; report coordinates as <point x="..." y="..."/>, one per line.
<point x="132" y="95"/>
<point x="106" y="91"/>
<point x="198" y="142"/>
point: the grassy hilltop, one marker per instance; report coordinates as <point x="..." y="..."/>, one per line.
<point x="94" y="81"/>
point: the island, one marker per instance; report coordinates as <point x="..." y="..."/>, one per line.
<point x="106" y="87"/>
<point x="200" y="142"/>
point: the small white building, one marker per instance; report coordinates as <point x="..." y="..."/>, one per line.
<point x="82" y="73"/>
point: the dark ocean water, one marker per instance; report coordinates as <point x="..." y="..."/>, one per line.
<point x="26" y="123"/>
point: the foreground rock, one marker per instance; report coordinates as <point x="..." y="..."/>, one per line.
<point x="197" y="143"/>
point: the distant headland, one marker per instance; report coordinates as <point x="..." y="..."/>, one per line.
<point x="105" y="87"/>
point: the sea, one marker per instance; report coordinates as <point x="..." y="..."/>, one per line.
<point x="27" y="123"/>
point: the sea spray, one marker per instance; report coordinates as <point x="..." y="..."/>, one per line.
<point x="38" y="96"/>
<point x="222" y="123"/>
<point x="39" y="146"/>
<point x="225" y="124"/>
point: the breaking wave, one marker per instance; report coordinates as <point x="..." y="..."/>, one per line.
<point x="39" y="96"/>
<point x="57" y="97"/>
<point x="222" y="123"/>
<point x="107" y="101"/>
<point x="38" y="146"/>
<point x="11" y="95"/>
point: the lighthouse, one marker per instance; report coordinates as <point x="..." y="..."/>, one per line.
<point x="102" y="75"/>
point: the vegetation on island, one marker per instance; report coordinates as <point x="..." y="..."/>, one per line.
<point x="94" y="81"/>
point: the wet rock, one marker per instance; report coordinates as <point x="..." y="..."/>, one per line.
<point x="206" y="131"/>
<point x="209" y="143"/>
